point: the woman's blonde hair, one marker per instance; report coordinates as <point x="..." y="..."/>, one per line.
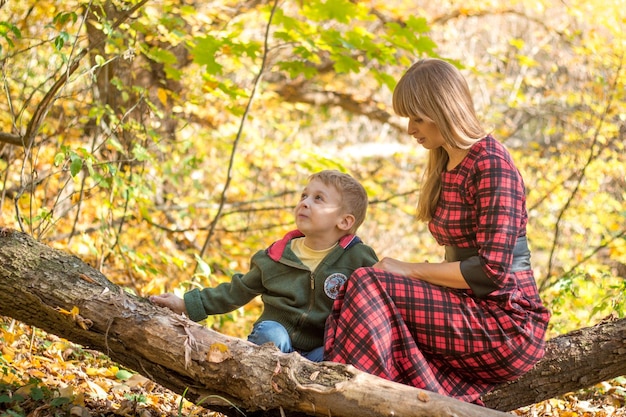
<point x="435" y="90"/>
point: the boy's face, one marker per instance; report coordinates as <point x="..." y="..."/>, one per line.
<point x="319" y="211"/>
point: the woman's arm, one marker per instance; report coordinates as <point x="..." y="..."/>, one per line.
<point x="445" y="274"/>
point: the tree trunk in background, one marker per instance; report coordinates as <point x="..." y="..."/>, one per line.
<point x="60" y="294"/>
<point x="138" y="71"/>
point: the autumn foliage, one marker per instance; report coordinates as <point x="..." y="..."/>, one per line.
<point x="165" y="142"/>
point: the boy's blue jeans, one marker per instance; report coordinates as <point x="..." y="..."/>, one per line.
<point x="271" y="331"/>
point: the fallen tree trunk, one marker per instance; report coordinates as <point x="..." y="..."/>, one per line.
<point x="60" y="294"/>
<point x="573" y="361"/>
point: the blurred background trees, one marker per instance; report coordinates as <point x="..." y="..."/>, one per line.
<point x="166" y="142"/>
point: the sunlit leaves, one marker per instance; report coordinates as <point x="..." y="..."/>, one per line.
<point x="205" y="53"/>
<point x="342" y="11"/>
<point x="6" y="30"/>
<point x="62" y="18"/>
<point x="142" y="174"/>
<point x="135" y="182"/>
<point x="76" y="164"/>
<point x="141" y="154"/>
<point x="410" y="34"/>
<point x="205" y="269"/>
<point x="385" y="79"/>
<point x="344" y="34"/>
<point x="161" y="55"/>
<point x="345" y="64"/>
<point x="40" y="371"/>
<point x="295" y="68"/>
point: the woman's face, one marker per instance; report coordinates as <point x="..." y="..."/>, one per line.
<point x="425" y="132"/>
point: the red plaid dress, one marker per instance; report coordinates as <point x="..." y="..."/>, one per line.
<point x="459" y="343"/>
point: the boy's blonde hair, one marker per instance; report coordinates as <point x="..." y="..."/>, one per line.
<point x="353" y="196"/>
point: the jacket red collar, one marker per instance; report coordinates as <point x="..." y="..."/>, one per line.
<point x="276" y="249"/>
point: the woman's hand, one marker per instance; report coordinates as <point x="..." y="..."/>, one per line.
<point x="445" y="274"/>
<point x="397" y="267"/>
<point x="171" y="301"/>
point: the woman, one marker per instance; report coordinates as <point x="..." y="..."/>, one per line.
<point x="465" y="325"/>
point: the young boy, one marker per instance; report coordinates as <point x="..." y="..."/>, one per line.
<point x="298" y="277"/>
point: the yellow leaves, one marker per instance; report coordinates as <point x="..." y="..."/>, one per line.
<point x="7" y="336"/>
<point x="571" y="406"/>
<point x="517" y="43"/>
<point x="42" y="366"/>
<point x="9" y="377"/>
<point x="73" y="313"/>
<point x="162" y="95"/>
<point x="8" y="354"/>
<point x="218" y="352"/>
<point x="25" y="390"/>
<point x="36" y="373"/>
<point x="82" y="322"/>
<point x="109" y="372"/>
<point x="97" y="388"/>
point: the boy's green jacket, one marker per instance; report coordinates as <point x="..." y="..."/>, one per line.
<point x="292" y="294"/>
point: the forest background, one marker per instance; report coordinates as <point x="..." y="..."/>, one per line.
<point x="165" y="142"/>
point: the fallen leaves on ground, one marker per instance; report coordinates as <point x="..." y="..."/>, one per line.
<point x="607" y="399"/>
<point x="44" y="375"/>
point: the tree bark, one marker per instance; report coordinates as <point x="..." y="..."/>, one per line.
<point x="573" y="361"/>
<point x="60" y="294"/>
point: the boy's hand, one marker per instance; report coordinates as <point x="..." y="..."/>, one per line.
<point x="171" y="301"/>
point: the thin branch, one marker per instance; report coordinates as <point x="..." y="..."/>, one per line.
<point x="11" y="139"/>
<point x="549" y="283"/>
<point x="46" y="102"/>
<point x="240" y="132"/>
<point x="593" y="153"/>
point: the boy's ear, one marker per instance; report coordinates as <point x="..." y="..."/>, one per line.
<point x="346" y="222"/>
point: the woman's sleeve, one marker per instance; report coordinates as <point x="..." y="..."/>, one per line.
<point x="500" y="205"/>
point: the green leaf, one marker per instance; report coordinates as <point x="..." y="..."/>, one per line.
<point x="295" y="68"/>
<point x="60" y="40"/>
<point x="385" y="79"/>
<point x="173" y="73"/>
<point x="289" y="23"/>
<point x="141" y="153"/>
<point x="342" y="11"/>
<point x="5" y="28"/>
<point x="4" y="398"/>
<point x="408" y="37"/>
<point x="162" y="56"/>
<point x="345" y="64"/>
<point x="76" y="165"/>
<point x="205" y="51"/>
<point x="36" y="393"/>
<point x="56" y="402"/>
<point x="205" y="269"/>
<point x="417" y="24"/>
<point x="123" y="374"/>
<point x="64" y="17"/>
<point x="59" y="158"/>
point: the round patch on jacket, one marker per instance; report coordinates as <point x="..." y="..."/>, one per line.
<point x="333" y="283"/>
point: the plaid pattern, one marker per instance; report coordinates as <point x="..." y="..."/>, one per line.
<point x="440" y="339"/>
<point x="483" y="205"/>
<point x="430" y="337"/>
